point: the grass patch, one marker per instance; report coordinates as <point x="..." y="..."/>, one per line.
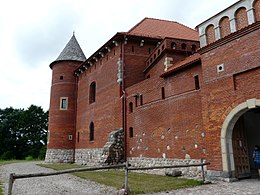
<point x="4" y="162"/>
<point x="139" y="183"/>
<point x="1" y="189"/>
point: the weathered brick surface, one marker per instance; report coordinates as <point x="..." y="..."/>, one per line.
<point x="180" y="123"/>
<point x="62" y="122"/>
<point x="223" y="91"/>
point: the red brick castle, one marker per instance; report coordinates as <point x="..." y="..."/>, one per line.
<point x="162" y="93"/>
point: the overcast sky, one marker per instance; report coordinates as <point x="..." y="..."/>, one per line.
<point x="33" y="33"/>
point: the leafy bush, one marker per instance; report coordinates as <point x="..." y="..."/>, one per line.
<point x="8" y="155"/>
<point x="29" y="158"/>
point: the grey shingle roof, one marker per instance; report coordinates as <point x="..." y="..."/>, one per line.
<point x="72" y="51"/>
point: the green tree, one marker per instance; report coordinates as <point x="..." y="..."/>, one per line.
<point x="23" y="132"/>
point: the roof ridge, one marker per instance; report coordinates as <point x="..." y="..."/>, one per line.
<point x="136" y="25"/>
<point x="186" y="26"/>
<point x="162" y="20"/>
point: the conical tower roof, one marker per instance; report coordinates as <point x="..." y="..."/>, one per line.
<point x="72" y="51"/>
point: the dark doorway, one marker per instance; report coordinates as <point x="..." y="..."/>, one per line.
<point x="246" y="134"/>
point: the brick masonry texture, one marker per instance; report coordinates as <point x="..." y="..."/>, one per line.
<point x="175" y="118"/>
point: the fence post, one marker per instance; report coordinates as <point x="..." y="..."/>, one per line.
<point x="202" y="170"/>
<point x="11" y="182"/>
<point x="126" y="177"/>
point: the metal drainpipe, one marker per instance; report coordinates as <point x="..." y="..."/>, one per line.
<point x="124" y="99"/>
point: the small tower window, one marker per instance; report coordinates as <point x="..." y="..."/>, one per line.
<point x="78" y="136"/>
<point x="92" y="92"/>
<point x="131" y="107"/>
<point x="91" y="131"/>
<point x="63" y="103"/>
<point x="159" y="51"/>
<point x="149" y="50"/>
<point x="154" y="56"/>
<point x="61" y="77"/>
<point x="133" y="48"/>
<point x="131" y="132"/>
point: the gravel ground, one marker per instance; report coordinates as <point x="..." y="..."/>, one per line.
<point x="72" y="185"/>
<point x="54" y="185"/>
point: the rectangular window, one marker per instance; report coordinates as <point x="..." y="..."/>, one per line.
<point x="63" y="103"/>
<point x="197" y="82"/>
<point x="70" y="137"/>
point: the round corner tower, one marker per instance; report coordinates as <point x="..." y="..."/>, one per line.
<point x="62" y="111"/>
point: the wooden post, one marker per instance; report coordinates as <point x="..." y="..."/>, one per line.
<point x="202" y="170"/>
<point x="126" y="177"/>
<point x="11" y="182"/>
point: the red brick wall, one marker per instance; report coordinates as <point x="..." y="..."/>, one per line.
<point x="62" y="122"/>
<point x="219" y="93"/>
<point x="224" y="27"/>
<point x="257" y="10"/>
<point x="241" y="18"/>
<point x="135" y="61"/>
<point x="160" y="125"/>
<point x="105" y="112"/>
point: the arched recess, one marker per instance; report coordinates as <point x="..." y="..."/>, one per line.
<point x="256" y="6"/>
<point x="210" y="34"/>
<point x="241" y="18"/>
<point x="224" y="25"/>
<point x="226" y="134"/>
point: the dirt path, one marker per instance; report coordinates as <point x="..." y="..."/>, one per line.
<point x="51" y="185"/>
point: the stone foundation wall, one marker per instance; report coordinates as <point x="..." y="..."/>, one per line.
<point x="194" y="172"/>
<point x="59" y="156"/>
<point x="90" y="157"/>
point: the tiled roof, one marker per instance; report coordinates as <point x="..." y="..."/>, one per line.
<point x="182" y="64"/>
<point x="161" y="28"/>
<point x="72" y="51"/>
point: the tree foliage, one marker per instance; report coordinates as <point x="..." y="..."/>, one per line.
<point x="23" y="132"/>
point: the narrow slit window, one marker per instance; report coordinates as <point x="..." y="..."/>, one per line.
<point x="78" y="136"/>
<point x="133" y="48"/>
<point x="131" y="107"/>
<point x="92" y="92"/>
<point x="197" y="82"/>
<point x="141" y="99"/>
<point x="136" y="104"/>
<point x="91" y="131"/>
<point x="163" y="93"/>
<point x="131" y="132"/>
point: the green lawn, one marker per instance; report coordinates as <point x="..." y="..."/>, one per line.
<point x="139" y="183"/>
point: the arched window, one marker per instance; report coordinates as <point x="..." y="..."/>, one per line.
<point x="91" y="131"/>
<point x="193" y="48"/>
<point x="256" y="6"/>
<point x="224" y="25"/>
<point x="92" y="92"/>
<point x="131" y="132"/>
<point x="131" y="107"/>
<point x="210" y="34"/>
<point x="173" y="45"/>
<point x="241" y="18"/>
<point x="183" y="46"/>
<point x="159" y="51"/>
